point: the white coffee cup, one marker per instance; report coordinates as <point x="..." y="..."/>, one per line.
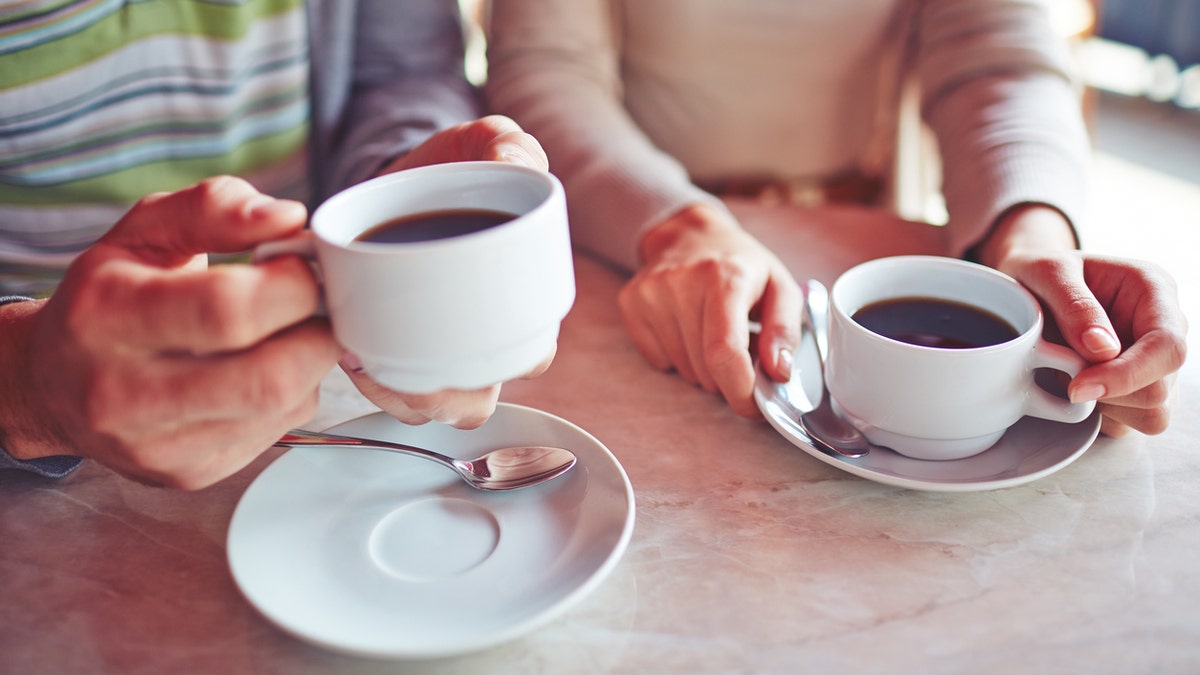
<point x="461" y="312"/>
<point x="941" y="403"/>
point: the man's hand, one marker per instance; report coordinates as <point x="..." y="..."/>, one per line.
<point x="153" y="363"/>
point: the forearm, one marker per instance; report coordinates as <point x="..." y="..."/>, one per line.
<point x="553" y="68"/>
<point x="997" y="91"/>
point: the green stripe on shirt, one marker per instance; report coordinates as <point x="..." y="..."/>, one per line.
<point x="41" y="45"/>
<point x="154" y="97"/>
<point x="133" y="183"/>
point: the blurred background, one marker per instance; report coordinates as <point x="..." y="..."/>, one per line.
<point x="1140" y="64"/>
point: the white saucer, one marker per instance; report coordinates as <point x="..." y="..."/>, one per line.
<point x="1031" y="449"/>
<point x="379" y="554"/>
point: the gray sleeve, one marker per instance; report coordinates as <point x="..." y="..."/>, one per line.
<point x="51" y="467"/>
<point x="408" y="81"/>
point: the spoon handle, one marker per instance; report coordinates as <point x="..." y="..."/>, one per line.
<point x="300" y="438"/>
<point x="817" y="308"/>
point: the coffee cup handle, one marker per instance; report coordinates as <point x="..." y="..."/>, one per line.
<point x="303" y="245"/>
<point x="1042" y="403"/>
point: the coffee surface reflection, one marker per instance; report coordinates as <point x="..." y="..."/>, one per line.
<point x="933" y="322"/>
<point x="431" y="225"/>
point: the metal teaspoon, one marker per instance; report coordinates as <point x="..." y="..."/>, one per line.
<point x="503" y="469"/>
<point x="822" y="423"/>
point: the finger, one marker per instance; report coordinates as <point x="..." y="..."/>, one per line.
<point x="1156" y="394"/>
<point x="494" y="137"/>
<point x="462" y="409"/>
<point x="645" y="340"/>
<point x="781" y="307"/>
<point x="639" y="329"/>
<point x="727" y="346"/>
<point x="652" y="327"/>
<point x="518" y="147"/>
<point x="1113" y="428"/>
<point x="693" y="325"/>
<point x="387" y="400"/>
<point x="1155" y="356"/>
<point x="1080" y="317"/>
<point x="1119" y="420"/>
<point x="222" y="215"/>
<point x="544" y="365"/>
<point x="499" y="138"/>
<point x="207" y="311"/>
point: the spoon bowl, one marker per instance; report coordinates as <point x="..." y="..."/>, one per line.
<point x="501" y="469"/>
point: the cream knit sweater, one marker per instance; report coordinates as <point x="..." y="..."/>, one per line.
<point x="634" y="99"/>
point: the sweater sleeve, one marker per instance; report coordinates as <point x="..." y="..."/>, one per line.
<point x="408" y="82"/>
<point x="554" y="68"/>
<point x="51" y="467"/>
<point x="997" y="91"/>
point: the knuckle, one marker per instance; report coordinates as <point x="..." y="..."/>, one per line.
<point x="215" y="187"/>
<point x="1176" y="351"/>
<point x="778" y="332"/>
<point x="1155" y="421"/>
<point x="722" y="270"/>
<point x="223" y="308"/>
<point x="1157" y="393"/>
<point x="1080" y="305"/>
<point x="218" y="192"/>
<point x="271" y="391"/>
<point x="725" y="354"/>
<point x="84" y="322"/>
<point x="629" y="297"/>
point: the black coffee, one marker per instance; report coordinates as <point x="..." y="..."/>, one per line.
<point x="432" y="225"/>
<point x="932" y="322"/>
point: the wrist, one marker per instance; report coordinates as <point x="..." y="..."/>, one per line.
<point x="19" y="419"/>
<point x="692" y="221"/>
<point x="1023" y="228"/>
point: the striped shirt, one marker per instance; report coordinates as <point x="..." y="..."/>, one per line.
<point x="105" y="101"/>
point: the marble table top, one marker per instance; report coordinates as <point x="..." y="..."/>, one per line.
<point x="747" y="554"/>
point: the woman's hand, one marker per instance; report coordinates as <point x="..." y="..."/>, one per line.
<point x="492" y="138"/>
<point x="460" y="408"/>
<point x="1121" y="315"/>
<point x="690" y="305"/>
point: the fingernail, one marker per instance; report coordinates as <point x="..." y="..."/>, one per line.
<point x="1093" y="391"/>
<point x="270" y="207"/>
<point x="517" y="155"/>
<point x="1100" y="341"/>
<point x="351" y="363"/>
<point x="784" y="360"/>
